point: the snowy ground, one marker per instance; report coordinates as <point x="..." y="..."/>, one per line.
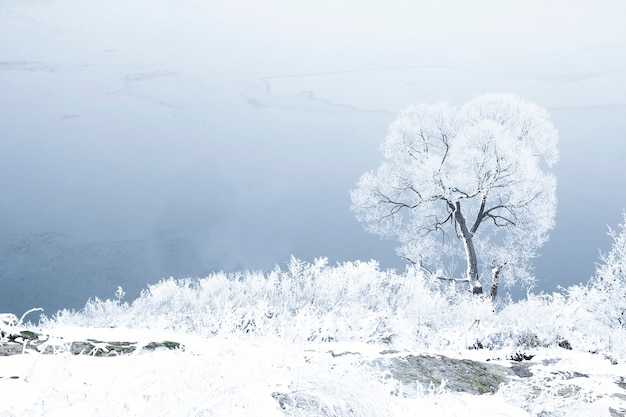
<point x="309" y="340"/>
<point x="244" y="375"/>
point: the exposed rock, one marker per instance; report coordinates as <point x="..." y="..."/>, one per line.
<point x="476" y="346"/>
<point x="163" y="345"/>
<point x="621" y="397"/>
<point x="571" y="375"/>
<point x="565" y="345"/>
<point x="98" y="348"/>
<point x="26" y="336"/>
<point x="29" y="335"/>
<point x="11" y="348"/>
<point x="621" y="383"/>
<point x="460" y="375"/>
<point x="16" y="341"/>
<point x="518" y="357"/>
<point x="339" y="354"/>
<point x="522" y="370"/>
<point x="25" y="341"/>
<point x="295" y="404"/>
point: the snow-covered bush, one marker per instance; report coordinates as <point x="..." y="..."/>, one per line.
<point x="299" y="340"/>
<point x="357" y="301"/>
<point x="303" y="302"/>
<point x="610" y="280"/>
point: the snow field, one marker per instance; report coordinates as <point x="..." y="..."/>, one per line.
<point x="297" y="342"/>
<point x="237" y="376"/>
<point x="221" y="376"/>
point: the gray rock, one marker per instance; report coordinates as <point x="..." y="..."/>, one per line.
<point x="163" y="345"/>
<point x="16" y="341"/>
<point x="26" y="341"/>
<point x="522" y="370"/>
<point x="98" y="348"/>
<point x="572" y="375"/>
<point x="460" y="375"/>
<point x="296" y="404"/>
<point x="11" y="348"/>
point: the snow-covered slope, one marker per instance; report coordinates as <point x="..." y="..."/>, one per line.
<point x="264" y="376"/>
<point x="315" y="340"/>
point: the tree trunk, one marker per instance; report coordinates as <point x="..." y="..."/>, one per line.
<point x="470" y="251"/>
<point x="495" y="278"/>
<point x="495" y="281"/>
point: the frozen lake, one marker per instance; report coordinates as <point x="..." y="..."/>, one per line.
<point x="150" y="139"/>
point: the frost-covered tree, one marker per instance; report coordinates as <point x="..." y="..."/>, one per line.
<point x="468" y="185"/>
<point x="610" y="278"/>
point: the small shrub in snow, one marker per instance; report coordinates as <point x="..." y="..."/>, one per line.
<point x="356" y="301"/>
<point x="610" y="280"/>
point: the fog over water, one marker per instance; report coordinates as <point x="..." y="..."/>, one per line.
<point x="146" y="139"/>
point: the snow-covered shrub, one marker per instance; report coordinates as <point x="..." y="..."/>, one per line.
<point x="526" y="324"/>
<point x="571" y="319"/>
<point x="610" y="280"/>
<point x="357" y="301"/>
<point x="304" y="301"/>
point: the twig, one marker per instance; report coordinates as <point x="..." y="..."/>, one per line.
<point x="21" y="320"/>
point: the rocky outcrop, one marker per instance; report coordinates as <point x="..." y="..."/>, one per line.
<point x="459" y="375"/>
<point x="15" y="342"/>
<point x="295" y="404"/>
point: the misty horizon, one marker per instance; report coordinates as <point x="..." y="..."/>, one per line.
<point x="147" y="140"/>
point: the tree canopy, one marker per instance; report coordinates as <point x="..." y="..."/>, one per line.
<point x="470" y="184"/>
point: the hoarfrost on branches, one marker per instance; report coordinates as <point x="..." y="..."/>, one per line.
<point x="610" y="279"/>
<point x="470" y="184"/>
